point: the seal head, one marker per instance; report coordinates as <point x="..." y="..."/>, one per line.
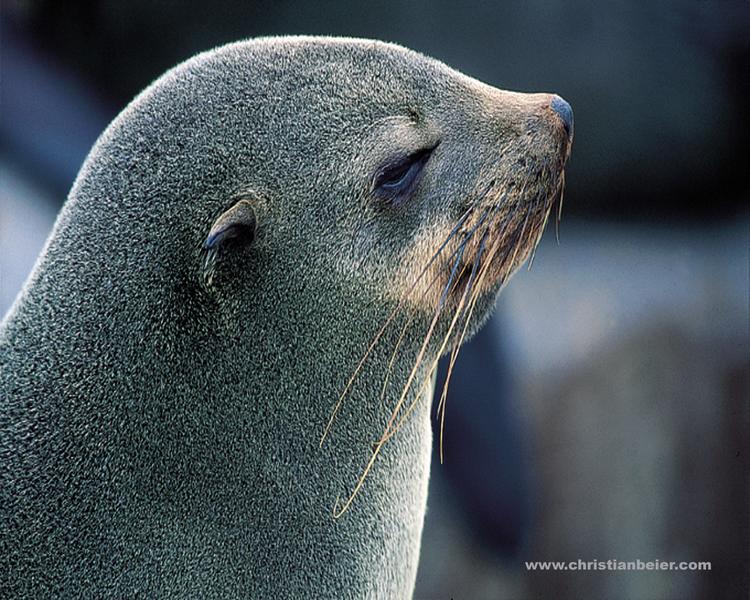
<point x="271" y="226"/>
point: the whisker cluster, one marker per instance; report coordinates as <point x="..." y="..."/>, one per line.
<point x="499" y="239"/>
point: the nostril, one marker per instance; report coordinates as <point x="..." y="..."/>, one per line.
<point x="563" y="111"/>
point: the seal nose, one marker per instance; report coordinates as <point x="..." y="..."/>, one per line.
<point x="563" y="111"/>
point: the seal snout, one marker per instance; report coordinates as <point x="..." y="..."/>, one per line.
<point x="563" y="110"/>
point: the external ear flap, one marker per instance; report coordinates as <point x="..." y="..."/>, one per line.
<point x="232" y="231"/>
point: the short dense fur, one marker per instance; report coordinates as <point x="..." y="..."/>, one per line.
<point x="162" y="407"/>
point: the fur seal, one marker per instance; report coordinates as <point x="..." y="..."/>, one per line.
<point x="274" y="241"/>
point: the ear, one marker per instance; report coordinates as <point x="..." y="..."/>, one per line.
<point x="231" y="232"/>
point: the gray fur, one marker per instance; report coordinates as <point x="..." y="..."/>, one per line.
<point x="160" y="428"/>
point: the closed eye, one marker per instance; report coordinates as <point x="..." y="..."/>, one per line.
<point x="396" y="180"/>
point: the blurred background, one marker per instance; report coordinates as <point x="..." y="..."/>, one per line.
<point x="603" y="413"/>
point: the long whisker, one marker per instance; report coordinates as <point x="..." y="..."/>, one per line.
<point x="467" y="294"/>
<point x="388" y="434"/>
<point x="388" y="321"/>
<point x="457" y="346"/>
<point x="540" y="231"/>
<point x="399" y="306"/>
<point x="452" y="280"/>
<point x="558" y="218"/>
<point x="397" y="409"/>
<point x="393" y="356"/>
<point x="450" y="286"/>
<point x="440" y="305"/>
<point x="379" y="445"/>
<point x="518" y="238"/>
<point x="474" y="287"/>
<point x="418" y="361"/>
<point x="460" y="307"/>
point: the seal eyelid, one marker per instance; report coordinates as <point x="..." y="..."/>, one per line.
<point x="397" y="179"/>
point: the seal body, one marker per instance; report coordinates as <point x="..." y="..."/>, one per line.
<point x="235" y="241"/>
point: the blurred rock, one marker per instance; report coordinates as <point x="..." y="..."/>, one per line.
<point x="641" y="455"/>
<point x="629" y="348"/>
<point x="604" y="281"/>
